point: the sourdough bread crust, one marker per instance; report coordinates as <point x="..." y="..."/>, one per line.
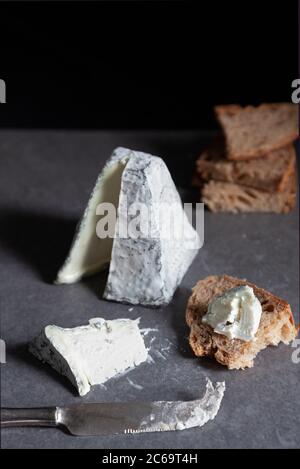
<point x="270" y="173"/>
<point x="269" y="140"/>
<point x="276" y="325"/>
<point x="235" y="198"/>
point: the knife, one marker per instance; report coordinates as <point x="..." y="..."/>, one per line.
<point x="121" y="417"/>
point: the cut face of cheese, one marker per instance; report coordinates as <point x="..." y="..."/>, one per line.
<point x="145" y="268"/>
<point x="89" y="253"/>
<point x="92" y="354"/>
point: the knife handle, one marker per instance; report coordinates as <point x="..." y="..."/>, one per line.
<point x="34" y="417"/>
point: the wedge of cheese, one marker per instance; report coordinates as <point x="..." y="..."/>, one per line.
<point x="91" y="354"/>
<point x="142" y="269"/>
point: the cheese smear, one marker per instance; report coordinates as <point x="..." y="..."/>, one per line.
<point x="235" y="314"/>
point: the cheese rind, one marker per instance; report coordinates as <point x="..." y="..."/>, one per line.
<point x="147" y="270"/>
<point x="91" y="354"/>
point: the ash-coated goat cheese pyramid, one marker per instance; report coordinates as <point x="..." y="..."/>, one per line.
<point x="143" y="269"/>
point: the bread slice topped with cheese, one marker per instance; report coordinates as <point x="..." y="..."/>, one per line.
<point x="232" y="320"/>
<point x="252" y="132"/>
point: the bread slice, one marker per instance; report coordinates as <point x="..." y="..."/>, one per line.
<point x="276" y="324"/>
<point x="270" y="173"/>
<point x="234" y="198"/>
<point x="252" y="132"/>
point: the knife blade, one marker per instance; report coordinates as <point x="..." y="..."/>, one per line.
<point x="122" y="417"/>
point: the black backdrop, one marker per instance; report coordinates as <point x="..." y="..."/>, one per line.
<point x="142" y="64"/>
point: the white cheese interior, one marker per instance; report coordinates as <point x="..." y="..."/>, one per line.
<point x="89" y="253"/>
<point x="235" y="314"/>
<point x="98" y="351"/>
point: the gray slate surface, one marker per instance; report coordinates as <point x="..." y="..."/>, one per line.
<point x="45" y="180"/>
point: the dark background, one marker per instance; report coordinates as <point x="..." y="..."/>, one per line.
<point x="142" y="64"/>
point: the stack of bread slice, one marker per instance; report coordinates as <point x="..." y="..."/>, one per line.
<point x="252" y="166"/>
